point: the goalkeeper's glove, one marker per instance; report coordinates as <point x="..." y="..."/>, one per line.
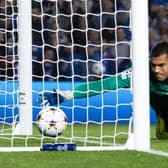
<point x="55" y="97"/>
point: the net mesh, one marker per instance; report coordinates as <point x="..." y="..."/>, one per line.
<point x="73" y="42"/>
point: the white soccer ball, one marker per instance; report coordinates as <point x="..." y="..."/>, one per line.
<point x="51" y="121"/>
<point x="98" y="68"/>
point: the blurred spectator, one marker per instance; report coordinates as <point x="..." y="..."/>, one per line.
<point x="94" y="57"/>
<point x="164" y="35"/>
<point x="123" y="4"/>
<point x="8" y="37"/>
<point x="50" y="64"/>
<point x="64" y="18"/>
<point x="3" y="61"/>
<point x="79" y="67"/>
<point x="65" y="44"/>
<point x="99" y="55"/>
<point x="94" y="37"/>
<point x="109" y="61"/>
<point x="158" y="2"/>
<point x="154" y="37"/>
<point x="123" y="18"/>
<point x="37" y="62"/>
<point x="158" y="15"/>
<point x="79" y="33"/>
<point x="65" y="64"/>
<point x="105" y="20"/>
<point x="36" y="24"/>
<point x="122" y="50"/>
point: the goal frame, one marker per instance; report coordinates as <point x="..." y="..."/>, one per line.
<point x="25" y="67"/>
<point x="140" y="138"/>
<point x="140" y="53"/>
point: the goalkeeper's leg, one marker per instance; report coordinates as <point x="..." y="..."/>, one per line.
<point x="161" y="131"/>
<point x="160" y="105"/>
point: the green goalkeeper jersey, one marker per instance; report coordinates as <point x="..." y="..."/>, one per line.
<point x="157" y="87"/>
<point x="121" y="80"/>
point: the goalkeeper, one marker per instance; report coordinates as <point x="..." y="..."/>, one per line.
<point x="158" y="88"/>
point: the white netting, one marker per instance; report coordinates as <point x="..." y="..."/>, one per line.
<point x="73" y="42"/>
<point x="8" y="65"/>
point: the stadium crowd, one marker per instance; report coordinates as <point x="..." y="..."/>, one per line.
<point x="100" y="36"/>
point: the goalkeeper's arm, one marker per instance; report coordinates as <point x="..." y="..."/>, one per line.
<point x="121" y="80"/>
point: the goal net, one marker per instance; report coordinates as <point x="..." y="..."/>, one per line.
<point x="62" y="44"/>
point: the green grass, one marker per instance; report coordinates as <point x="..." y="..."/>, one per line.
<point x="81" y="159"/>
<point x="95" y="134"/>
<point x="108" y="159"/>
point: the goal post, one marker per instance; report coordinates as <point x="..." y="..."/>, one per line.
<point x="140" y="52"/>
<point x="65" y="41"/>
<point x="25" y="67"/>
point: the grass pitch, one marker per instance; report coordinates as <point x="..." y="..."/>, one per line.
<point x="108" y="159"/>
<point x="81" y="159"/>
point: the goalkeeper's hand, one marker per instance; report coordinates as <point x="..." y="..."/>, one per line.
<point x="55" y="97"/>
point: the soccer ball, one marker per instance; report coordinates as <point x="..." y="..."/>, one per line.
<point x="51" y="121"/>
<point x="98" y="68"/>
